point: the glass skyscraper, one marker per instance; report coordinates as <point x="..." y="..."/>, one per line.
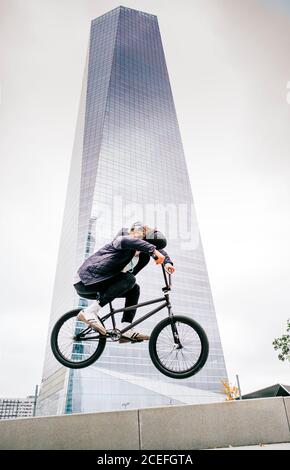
<point x="128" y="164"/>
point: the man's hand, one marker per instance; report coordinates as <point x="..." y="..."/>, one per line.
<point x="160" y="257"/>
<point x="169" y="268"/>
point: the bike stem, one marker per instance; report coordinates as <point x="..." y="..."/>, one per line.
<point x="167" y="279"/>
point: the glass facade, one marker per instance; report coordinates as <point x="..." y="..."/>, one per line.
<point x="128" y="164"/>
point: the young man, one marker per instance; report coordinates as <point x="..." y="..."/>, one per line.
<point x="110" y="273"/>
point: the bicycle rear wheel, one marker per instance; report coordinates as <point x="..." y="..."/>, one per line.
<point x="74" y="344"/>
<point x="178" y="347"/>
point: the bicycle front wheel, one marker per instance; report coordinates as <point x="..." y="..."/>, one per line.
<point x="74" y="344"/>
<point x="178" y="347"/>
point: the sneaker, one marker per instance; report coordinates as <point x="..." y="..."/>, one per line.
<point x="90" y="317"/>
<point x="132" y="336"/>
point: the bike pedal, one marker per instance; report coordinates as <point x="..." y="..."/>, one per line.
<point x="127" y="340"/>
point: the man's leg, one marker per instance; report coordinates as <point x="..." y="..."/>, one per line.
<point x="132" y="297"/>
<point x="123" y="285"/>
<point x="116" y="286"/>
<point x="89" y="315"/>
<point x="105" y="291"/>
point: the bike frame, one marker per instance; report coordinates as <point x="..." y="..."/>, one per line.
<point x="166" y="303"/>
<point x="164" y="299"/>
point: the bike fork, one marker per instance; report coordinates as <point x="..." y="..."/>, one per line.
<point x="173" y="325"/>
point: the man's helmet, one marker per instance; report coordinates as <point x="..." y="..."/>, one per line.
<point x="156" y="238"/>
<point x="152" y="236"/>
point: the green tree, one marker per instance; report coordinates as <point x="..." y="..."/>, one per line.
<point x="283" y="344"/>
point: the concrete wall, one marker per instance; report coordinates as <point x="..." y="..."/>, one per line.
<point x="237" y="423"/>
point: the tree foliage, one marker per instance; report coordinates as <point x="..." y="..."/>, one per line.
<point x="231" y="392"/>
<point x="282" y="344"/>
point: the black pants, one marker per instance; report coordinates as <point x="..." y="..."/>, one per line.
<point x="121" y="285"/>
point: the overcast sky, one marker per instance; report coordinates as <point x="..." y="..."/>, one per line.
<point x="229" y="64"/>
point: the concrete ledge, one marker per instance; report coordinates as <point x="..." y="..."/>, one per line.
<point x="239" y="423"/>
<point x="111" y="430"/>
<point x="236" y="423"/>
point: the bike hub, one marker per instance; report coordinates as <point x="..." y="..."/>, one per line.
<point x="114" y="335"/>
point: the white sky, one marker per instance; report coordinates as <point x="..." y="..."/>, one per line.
<point x="229" y="65"/>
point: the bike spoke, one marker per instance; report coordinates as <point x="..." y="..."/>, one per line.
<point x="172" y="358"/>
<point x="76" y="350"/>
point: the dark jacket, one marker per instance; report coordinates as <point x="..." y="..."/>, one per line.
<point x="113" y="257"/>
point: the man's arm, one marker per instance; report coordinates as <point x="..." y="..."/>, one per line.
<point x="129" y="243"/>
<point x="144" y="259"/>
<point x="126" y="242"/>
<point x="167" y="258"/>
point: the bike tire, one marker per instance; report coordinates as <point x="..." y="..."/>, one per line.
<point x="57" y="353"/>
<point x="203" y="340"/>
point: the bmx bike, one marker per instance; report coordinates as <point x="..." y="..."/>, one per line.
<point x="178" y="345"/>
